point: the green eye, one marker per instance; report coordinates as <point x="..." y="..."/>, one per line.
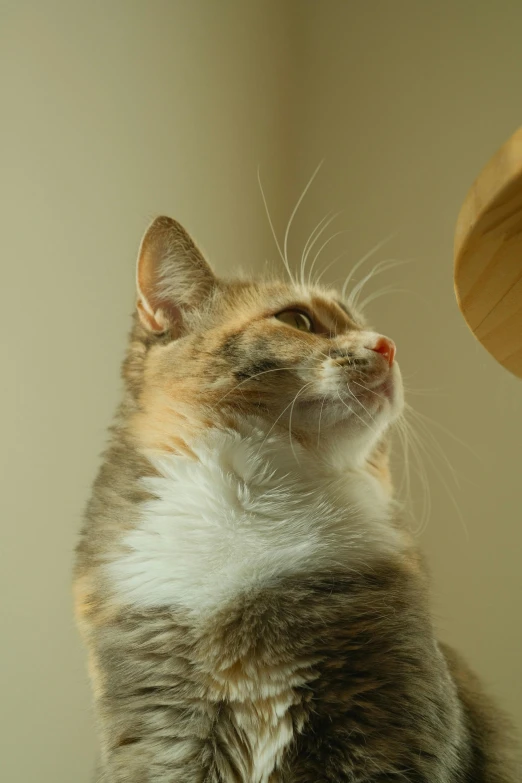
<point x="296" y="319"/>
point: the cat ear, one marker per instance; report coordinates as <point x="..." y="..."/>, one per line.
<point x="172" y="276"/>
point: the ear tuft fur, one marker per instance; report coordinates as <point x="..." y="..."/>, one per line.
<point x="172" y="276"/>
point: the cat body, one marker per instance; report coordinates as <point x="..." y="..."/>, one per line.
<point x="253" y="609"/>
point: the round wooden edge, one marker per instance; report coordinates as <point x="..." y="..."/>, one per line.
<point x="502" y="173"/>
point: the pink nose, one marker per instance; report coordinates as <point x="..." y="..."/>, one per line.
<point x="385" y="347"/>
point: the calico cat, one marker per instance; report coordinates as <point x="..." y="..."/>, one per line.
<point x="254" y="611"/>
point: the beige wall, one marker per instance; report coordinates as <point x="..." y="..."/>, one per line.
<point x="113" y="112"/>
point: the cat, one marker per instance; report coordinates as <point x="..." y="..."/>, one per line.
<point x="254" y="609"/>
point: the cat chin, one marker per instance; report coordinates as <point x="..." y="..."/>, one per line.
<point x="348" y="440"/>
<point x="344" y="442"/>
<point x="382" y="403"/>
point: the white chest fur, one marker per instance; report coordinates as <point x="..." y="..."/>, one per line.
<point x="249" y="509"/>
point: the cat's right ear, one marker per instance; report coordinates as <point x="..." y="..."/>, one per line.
<point x="172" y="276"/>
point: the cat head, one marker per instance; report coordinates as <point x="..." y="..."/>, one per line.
<point x="210" y="352"/>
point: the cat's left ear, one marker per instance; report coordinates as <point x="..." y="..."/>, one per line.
<point x="172" y="276"/>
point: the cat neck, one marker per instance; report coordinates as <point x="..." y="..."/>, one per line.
<point x="246" y="508"/>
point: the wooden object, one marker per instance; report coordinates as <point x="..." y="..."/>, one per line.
<point x="488" y="256"/>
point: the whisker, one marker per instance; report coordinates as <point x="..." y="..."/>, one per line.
<point x="406" y="435"/>
<point x="314" y="236"/>
<point x="416" y="437"/>
<point x="360" y="403"/>
<point x="292" y="216"/>
<point x="362" y="260"/>
<point x="405" y="478"/>
<point x="256" y="375"/>
<point x="290" y="419"/>
<point x="327" y="242"/>
<point x="368" y="390"/>
<point x="436" y="445"/>
<point x="279" y="417"/>
<point x="311" y="238"/>
<point x="320" y="417"/>
<point x="441" y="427"/>
<point x="270" y="223"/>
<point x="356" y="414"/>
<point x="426" y="392"/>
<point x="389" y="290"/>
<point x="381" y="266"/>
<point x="328" y="266"/>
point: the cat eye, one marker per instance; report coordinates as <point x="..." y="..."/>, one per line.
<point x="296" y="319"/>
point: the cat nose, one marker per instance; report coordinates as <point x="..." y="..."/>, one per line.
<point x="386" y="348"/>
